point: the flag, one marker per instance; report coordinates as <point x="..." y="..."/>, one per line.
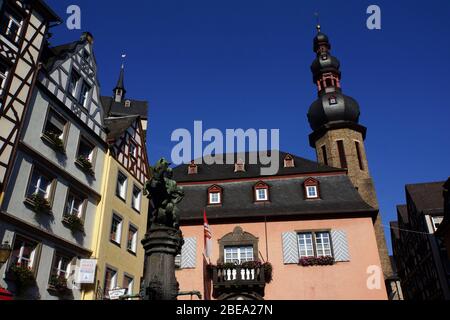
<point x="207" y="236"/>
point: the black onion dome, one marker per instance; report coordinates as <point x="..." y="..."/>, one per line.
<point x="324" y="110"/>
<point x="321" y="39"/>
<point x="325" y="63"/>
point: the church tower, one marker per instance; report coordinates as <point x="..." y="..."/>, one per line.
<point x="337" y="135"/>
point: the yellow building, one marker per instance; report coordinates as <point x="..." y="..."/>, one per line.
<point x="121" y="221"/>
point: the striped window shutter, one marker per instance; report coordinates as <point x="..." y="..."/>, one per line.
<point x="189" y="253"/>
<point x="340" y="245"/>
<point x="290" y="248"/>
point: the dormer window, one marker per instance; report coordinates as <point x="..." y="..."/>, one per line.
<point x="127" y="103"/>
<point x="215" y="195"/>
<point x="193" y="168"/>
<point x="333" y="100"/>
<point x="311" y="189"/>
<point x="289" y="161"/>
<point x="239" y="166"/>
<point x="261" y="192"/>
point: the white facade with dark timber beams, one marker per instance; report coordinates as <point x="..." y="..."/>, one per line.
<point x="23" y="26"/>
<point x="50" y="203"/>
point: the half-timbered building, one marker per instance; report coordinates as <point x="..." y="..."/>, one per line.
<point x="51" y="199"/>
<point x="23" y="32"/>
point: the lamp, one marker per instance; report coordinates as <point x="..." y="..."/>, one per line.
<point x="5" y="252"/>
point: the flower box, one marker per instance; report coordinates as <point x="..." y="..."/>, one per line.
<point x="55" y="141"/>
<point x="85" y="164"/>
<point x="74" y="222"/>
<point x="39" y="203"/>
<point x="316" y="261"/>
<point x="23" y="276"/>
<point x="58" y="284"/>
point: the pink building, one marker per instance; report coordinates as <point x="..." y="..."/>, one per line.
<point x="311" y="231"/>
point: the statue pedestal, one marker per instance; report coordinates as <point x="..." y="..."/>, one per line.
<point x="161" y="245"/>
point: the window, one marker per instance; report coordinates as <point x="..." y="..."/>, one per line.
<point x="132" y="239"/>
<point x="127" y="103"/>
<point x="128" y="283"/>
<point x="324" y="155"/>
<point x="12" y="26"/>
<point x="110" y="281"/>
<point x="40" y="184"/>
<point x="342" y="156"/>
<point x="289" y="161"/>
<point x="116" y="229"/>
<point x="86" y="55"/>
<point x="311" y="188"/>
<point x="55" y="125"/>
<point x="3" y="76"/>
<point x="133" y="149"/>
<point x="238" y="254"/>
<point x="86" y="150"/>
<point x="84" y="94"/>
<point x="332" y="100"/>
<point x="436" y="220"/>
<point x="74" y="206"/>
<point x="311" y="192"/>
<point x="24" y="253"/>
<point x="192" y="168"/>
<point x="121" y="188"/>
<point x="314" y="244"/>
<point x="137" y="196"/>
<point x="215" y="195"/>
<point x="61" y="266"/>
<point x="73" y="83"/>
<point x="261" y="192"/>
<point x="358" y="153"/>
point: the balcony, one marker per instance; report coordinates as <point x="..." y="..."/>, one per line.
<point x="235" y="279"/>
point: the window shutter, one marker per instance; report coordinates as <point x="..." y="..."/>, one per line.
<point x="290" y="248"/>
<point x="189" y="253"/>
<point x="340" y="245"/>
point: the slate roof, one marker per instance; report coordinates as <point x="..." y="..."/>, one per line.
<point x="118" y="109"/>
<point x="117" y="126"/>
<point x="427" y="197"/>
<point x="338" y="195"/>
<point x="402" y="211"/>
<point x="226" y="171"/>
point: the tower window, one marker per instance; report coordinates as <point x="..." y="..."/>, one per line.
<point x="342" y="157"/>
<point x="324" y="155"/>
<point x="358" y="152"/>
<point x="332" y="100"/>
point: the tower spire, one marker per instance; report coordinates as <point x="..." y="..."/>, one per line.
<point x="119" y="90"/>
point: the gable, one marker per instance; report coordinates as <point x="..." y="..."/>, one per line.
<point x="77" y="58"/>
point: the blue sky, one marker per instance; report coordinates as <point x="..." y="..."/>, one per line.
<point x="245" y="64"/>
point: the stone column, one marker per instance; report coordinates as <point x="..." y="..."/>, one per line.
<point x="161" y="245"/>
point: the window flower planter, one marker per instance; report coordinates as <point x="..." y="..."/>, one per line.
<point x="316" y="261"/>
<point x="75" y="223"/>
<point x="55" y="141"/>
<point x="39" y="203"/>
<point x="85" y="164"/>
<point x="22" y="276"/>
<point x="58" y="284"/>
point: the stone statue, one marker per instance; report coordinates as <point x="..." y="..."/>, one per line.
<point x="163" y="240"/>
<point x="164" y="194"/>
